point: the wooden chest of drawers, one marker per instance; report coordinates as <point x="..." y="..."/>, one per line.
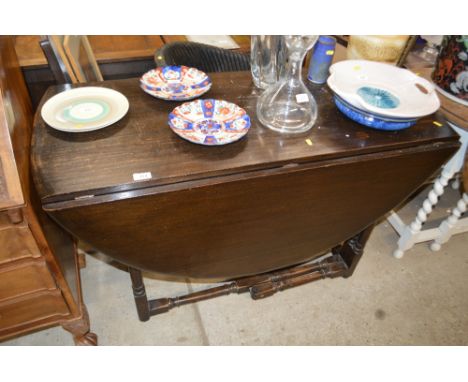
<point x="39" y="277"/>
<point x="22" y="277"/>
<point x="16" y="242"/>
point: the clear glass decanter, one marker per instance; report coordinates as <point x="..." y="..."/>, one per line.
<point x="288" y="106"/>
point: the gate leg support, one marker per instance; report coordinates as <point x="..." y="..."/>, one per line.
<point x="139" y="293"/>
<point x="352" y="249"/>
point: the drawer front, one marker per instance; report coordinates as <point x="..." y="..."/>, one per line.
<point x="24" y="276"/>
<point x="17" y="242"/>
<point x="16" y="314"/>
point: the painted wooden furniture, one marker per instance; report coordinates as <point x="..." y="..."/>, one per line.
<point x="413" y="233"/>
<point x="257" y="214"/>
<point x="455" y="224"/>
<point x="39" y="278"/>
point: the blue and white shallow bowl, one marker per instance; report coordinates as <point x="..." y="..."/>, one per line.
<point x="372" y="120"/>
<point x="209" y="122"/>
<point x="175" y="83"/>
<point x="384" y="91"/>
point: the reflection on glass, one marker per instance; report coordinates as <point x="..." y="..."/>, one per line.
<point x="288" y="106"/>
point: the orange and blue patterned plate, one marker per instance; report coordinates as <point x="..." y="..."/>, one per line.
<point x="209" y="122"/>
<point x="175" y="83"/>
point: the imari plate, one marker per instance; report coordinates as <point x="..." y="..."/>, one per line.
<point x="84" y="109"/>
<point x="175" y="83"/>
<point x="209" y="122"/>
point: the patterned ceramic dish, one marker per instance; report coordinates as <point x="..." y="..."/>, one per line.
<point x="372" y="120"/>
<point x="84" y="109"/>
<point x="383" y="89"/>
<point x="209" y="122"/>
<point x="175" y="83"/>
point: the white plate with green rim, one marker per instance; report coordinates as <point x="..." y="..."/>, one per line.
<point x="84" y="109"/>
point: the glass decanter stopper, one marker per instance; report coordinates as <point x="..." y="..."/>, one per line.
<point x="288" y="106"/>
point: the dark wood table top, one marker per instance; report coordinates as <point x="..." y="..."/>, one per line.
<point x="68" y="165"/>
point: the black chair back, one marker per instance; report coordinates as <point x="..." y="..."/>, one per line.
<point x="201" y="56"/>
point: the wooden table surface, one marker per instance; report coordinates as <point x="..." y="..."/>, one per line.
<point x="104" y="160"/>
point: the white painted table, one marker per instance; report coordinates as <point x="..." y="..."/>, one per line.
<point x="413" y="233"/>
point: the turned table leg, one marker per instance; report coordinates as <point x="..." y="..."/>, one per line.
<point x="79" y="328"/>
<point x="413" y="233"/>
<point x="408" y="237"/>
<point x="448" y="227"/>
<point x="351" y="251"/>
<point x="139" y="293"/>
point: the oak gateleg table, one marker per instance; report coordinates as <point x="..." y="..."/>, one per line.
<point x="258" y="214"/>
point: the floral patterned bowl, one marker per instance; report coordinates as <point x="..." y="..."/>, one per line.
<point x="209" y="122"/>
<point x="175" y="83"/>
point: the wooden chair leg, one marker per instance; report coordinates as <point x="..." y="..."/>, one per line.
<point x="139" y="293"/>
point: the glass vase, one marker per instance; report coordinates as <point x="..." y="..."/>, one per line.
<point x="288" y="106"/>
<point x="267" y="59"/>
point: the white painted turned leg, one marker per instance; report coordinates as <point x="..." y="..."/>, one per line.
<point x="456" y="184"/>
<point x="407" y="238"/>
<point x="413" y="233"/>
<point x="447" y="227"/>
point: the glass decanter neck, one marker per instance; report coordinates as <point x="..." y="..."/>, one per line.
<point x="293" y="67"/>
